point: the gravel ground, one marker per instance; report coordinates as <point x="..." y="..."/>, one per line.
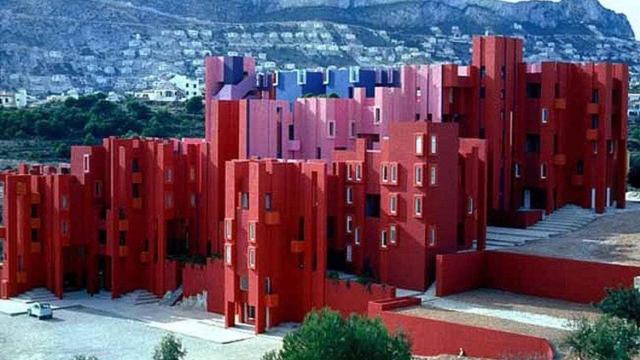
<point x="612" y="238"/>
<point x="87" y="332"/>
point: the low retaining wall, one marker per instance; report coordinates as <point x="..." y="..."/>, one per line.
<point x="349" y="297"/>
<point x="209" y="278"/>
<point x="556" y="278"/>
<point x="431" y="337"/>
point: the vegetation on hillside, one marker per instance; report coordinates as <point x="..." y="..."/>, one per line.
<point x="326" y="335"/>
<point x="90" y="118"/>
<point x="634" y="156"/>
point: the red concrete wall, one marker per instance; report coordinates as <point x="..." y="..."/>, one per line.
<point x="434" y="337"/>
<point x="456" y="273"/>
<point x="565" y="279"/>
<point x="556" y="278"/>
<point x="209" y="278"/>
<point x="352" y="297"/>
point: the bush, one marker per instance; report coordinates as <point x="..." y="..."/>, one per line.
<point x="170" y="348"/>
<point x="608" y="338"/>
<point x="623" y="303"/>
<point x="326" y="335"/>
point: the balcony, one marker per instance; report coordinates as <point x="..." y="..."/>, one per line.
<point x="271" y="300"/>
<point x="577" y="180"/>
<point x="560" y="159"/>
<point x="592" y="134"/>
<point x="293" y="145"/>
<point x="123" y="225"/>
<point x="36" y="247"/>
<point x="144" y="257"/>
<point x="560" y="104"/>
<point x="123" y="250"/>
<point x="593" y="108"/>
<point x="136" y="178"/>
<point x="297" y="247"/>
<point x="21" y="277"/>
<point x="272" y="218"/>
<point x="136" y="203"/>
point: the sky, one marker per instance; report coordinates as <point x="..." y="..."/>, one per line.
<point x="631" y="8"/>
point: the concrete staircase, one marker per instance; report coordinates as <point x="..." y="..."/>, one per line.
<point x="36" y="295"/>
<point x="140" y="297"/>
<point x="561" y="221"/>
<point x="172" y="297"/>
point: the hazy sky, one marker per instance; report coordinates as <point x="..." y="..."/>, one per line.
<point x="631" y="8"/>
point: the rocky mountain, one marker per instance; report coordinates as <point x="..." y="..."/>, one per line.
<point x="52" y="46"/>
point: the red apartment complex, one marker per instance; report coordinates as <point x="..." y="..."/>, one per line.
<point x="411" y="170"/>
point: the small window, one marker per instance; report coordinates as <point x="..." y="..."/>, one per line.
<point x="394" y="173"/>
<point x="349" y="195"/>
<point x="349" y="224"/>
<point x="275" y="78"/>
<point x="64" y="202"/>
<point x="418" y="170"/>
<point x="594" y="147"/>
<point x="228" y="254"/>
<point x="611" y="146"/>
<point x="432" y="235"/>
<point x="102" y="237"/>
<point x="545" y="115"/>
<point x="192" y="174"/>
<point x="358" y="171"/>
<point x="291" y="131"/>
<point x="268" y="205"/>
<point x="135" y="165"/>
<point x="98" y="189"/>
<point x="434" y="144"/>
<point x="516" y="170"/>
<point x="354" y="74"/>
<point x="419" y="144"/>
<point x="383" y="239"/>
<point x="122" y="238"/>
<point x="352" y="129"/>
<point x="228" y="229"/>
<point x="331" y="129"/>
<point x="35" y="235"/>
<point x="86" y="163"/>
<point x="349" y="254"/>
<point x="385" y="173"/>
<point x="378" y="117"/>
<point x="168" y="201"/>
<point x="595" y="121"/>
<point x="252" y="257"/>
<point x="135" y="191"/>
<point x="543" y="171"/>
<point x="483" y="92"/>
<point x="595" y="96"/>
<point x="349" y="172"/>
<point x="193" y="200"/>
<point x="301" y="77"/>
<point x="252" y="230"/>
<point x="244" y="200"/>
<point x="393" y="234"/>
<point x="393" y="204"/>
<point x="417" y="204"/>
<point x="168" y="175"/>
<point x="64" y="228"/>
<point x="433" y="175"/>
<point x="470" y="205"/>
<point x="356" y="236"/>
<point x="580" y="167"/>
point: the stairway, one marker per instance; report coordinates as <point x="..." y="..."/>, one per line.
<point x="36" y="295"/>
<point x="172" y="297"/>
<point x="140" y="297"/>
<point x="561" y="221"/>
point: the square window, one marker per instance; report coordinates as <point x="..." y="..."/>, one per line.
<point x="352" y="129"/>
<point x="268" y="204"/>
<point x="349" y="172"/>
<point x="356" y="236"/>
<point x="417" y="204"/>
<point x="383" y="239"/>
<point x="545" y="115"/>
<point x="434" y="144"/>
<point x="228" y="254"/>
<point x="244" y="200"/>
<point x="98" y="189"/>
<point x="228" y="229"/>
<point x="64" y="202"/>
<point x="432" y="235"/>
<point x="417" y="178"/>
<point x="358" y="172"/>
<point x="393" y="204"/>
<point x="168" y="175"/>
<point x="168" y="201"/>
<point x="594" y="147"/>
<point x="384" y="173"/>
<point x="86" y="163"/>
<point x="378" y="117"/>
<point x="516" y="170"/>
<point x="433" y="175"/>
<point x="64" y="228"/>
<point x="349" y="254"/>
<point x="349" y="224"/>
<point x="394" y="173"/>
<point x="543" y="171"/>
<point x="470" y="205"/>
<point x="252" y="257"/>
<point x="331" y="129"/>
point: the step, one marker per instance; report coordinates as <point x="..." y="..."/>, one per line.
<point x="507" y="238"/>
<point x="502" y="243"/>
<point x="553" y="228"/>
<point x="517" y="232"/>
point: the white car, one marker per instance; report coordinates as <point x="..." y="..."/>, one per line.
<point x="40" y="310"/>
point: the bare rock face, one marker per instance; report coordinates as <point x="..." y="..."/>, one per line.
<point x="51" y="46"/>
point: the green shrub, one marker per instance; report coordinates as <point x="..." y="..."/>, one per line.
<point x="623" y="303"/>
<point x="326" y="335"/>
<point x="608" y="338"/>
<point x="170" y="348"/>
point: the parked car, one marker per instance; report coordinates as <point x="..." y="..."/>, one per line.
<point x="40" y="310"/>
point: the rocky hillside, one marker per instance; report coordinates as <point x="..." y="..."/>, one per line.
<point x="52" y="46"/>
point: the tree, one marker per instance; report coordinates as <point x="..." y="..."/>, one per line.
<point x="194" y="105"/>
<point x="607" y="338"/>
<point x="623" y="303"/>
<point x="170" y="348"/>
<point x="326" y="335"/>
